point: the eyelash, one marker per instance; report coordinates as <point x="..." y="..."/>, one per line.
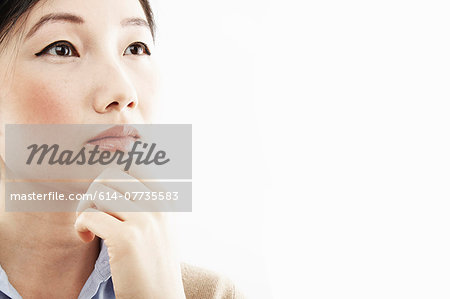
<point x="72" y="49"/>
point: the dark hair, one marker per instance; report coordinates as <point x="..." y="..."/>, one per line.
<point x="12" y="10"/>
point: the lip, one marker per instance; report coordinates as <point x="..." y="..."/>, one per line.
<point x="120" y="137"/>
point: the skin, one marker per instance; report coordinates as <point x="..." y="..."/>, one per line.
<point x="106" y="83"/>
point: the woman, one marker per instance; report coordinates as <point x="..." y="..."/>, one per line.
<point x="86" y="62"/>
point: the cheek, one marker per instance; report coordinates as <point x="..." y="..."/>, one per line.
<point x="148" y="91"/>
<point x="37" y="102"/>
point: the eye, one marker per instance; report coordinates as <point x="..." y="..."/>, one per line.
<point x="59" y="48"/>
<point x="137" y="49"/>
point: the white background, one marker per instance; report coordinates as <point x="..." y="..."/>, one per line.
<point x="321" y="147"/>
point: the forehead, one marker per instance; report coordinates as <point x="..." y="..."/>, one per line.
<point x="92" y="11"/>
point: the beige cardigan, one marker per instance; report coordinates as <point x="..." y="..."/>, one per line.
<point x="200" y="283"/>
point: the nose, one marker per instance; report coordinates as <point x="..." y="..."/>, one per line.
<point x="114" y="90"/>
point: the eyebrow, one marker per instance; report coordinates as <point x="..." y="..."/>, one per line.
<point x="54" y="17"/>
<point x="135" y="22"/>
<point x="71" y="18"/>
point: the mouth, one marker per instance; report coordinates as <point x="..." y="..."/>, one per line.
<point x="120" y="137"/>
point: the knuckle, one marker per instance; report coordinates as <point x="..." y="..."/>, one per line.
<point x="83" y="217"/>
<point x="92" y="187"/>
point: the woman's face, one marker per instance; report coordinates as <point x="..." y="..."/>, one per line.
<point x="79" y="62"/>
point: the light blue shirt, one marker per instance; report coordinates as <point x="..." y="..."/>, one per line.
<point x="98" y="286"/>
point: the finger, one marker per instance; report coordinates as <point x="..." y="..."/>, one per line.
<point x="136" y="190"/>
<point x="94" y="222"/>
<point x="86" y="202"/>
<point x="142" y="173"/>
<point x="137" y="176"/>
<point x="108" y="200"/>
<point x="121" y="181"/>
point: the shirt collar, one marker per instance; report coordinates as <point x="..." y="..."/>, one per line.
<point x="102" y="263"/>
<point x="6" y="287"/>
<point x="99" y="276"/>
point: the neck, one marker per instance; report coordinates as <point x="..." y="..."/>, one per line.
<point x="40" y="249"/>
